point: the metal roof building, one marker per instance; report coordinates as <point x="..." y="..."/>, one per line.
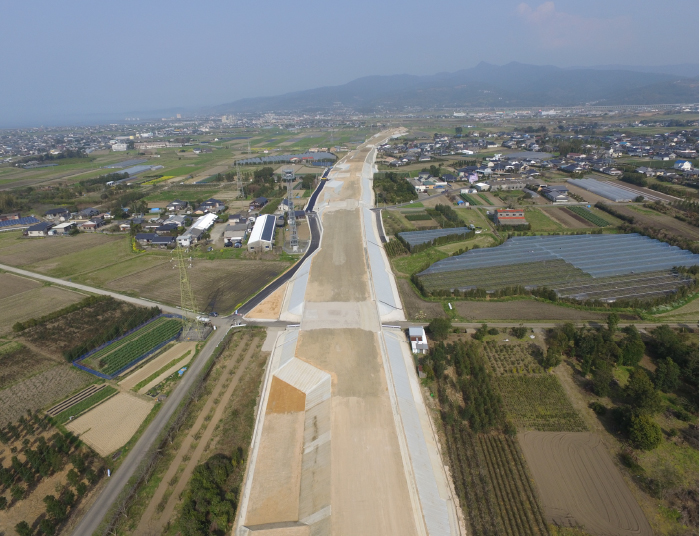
<point x="263" y="235"/>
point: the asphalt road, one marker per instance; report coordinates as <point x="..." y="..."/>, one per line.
<point x="94" y="516"/>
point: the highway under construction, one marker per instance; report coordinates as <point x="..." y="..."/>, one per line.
<point x="343" y="443"/>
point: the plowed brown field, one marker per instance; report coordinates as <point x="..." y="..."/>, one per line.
<point x="580" y="486"/>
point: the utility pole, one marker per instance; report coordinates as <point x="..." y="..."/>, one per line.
<point x="239" y="182"/>
<point x="291" y="218"/>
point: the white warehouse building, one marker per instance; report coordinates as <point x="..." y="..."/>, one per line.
<point x="262" y="238"/>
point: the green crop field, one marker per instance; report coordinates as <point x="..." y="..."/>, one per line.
<point x="86" y="404"/>
<point x="588" y="215"/>
<point x="470" y="199"/>
<point x="538" y="402"/>
<point x="539" y="221"/>
<point x="485" y="198"/>
<point x="119" y="354"/>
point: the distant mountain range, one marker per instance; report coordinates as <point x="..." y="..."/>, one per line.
<point x="487" y="85"/>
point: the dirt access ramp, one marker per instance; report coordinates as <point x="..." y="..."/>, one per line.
<point x="580" y="486"/>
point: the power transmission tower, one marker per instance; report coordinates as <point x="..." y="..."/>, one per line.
<point x="239" y="181"/>
<point x="191" y="327"/>
<point x="291" y="218"/>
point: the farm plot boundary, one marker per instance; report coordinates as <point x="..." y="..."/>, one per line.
<point x="78" y="362"/>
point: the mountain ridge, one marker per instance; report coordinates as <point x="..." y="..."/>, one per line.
<point x="485" y="85"/>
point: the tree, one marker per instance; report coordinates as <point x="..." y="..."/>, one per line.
<point x="48" y="527"/>
<point x="552" y="358"/>
<point x="519" y="332"/>
<point x="602" y="376"/>
<point x="667" y="377"/>
<point x="459" y="130"/>
<point x="17" y="491"/>
<point x="55" y="508"/>
<point x="23" y="529"/>
<point x="3" y="502"/>
<point x="644" y="433"/>
<point x="642" y="394"/>
<point x="613" y="321"/>
<point x="632" y="347"/>
<point x="439" y="328"/>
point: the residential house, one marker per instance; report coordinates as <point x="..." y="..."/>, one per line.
<point x="235" y="218"/>
<point x="145" y="239"/>
<point x="683" y="165"/>
<point x="39" y="229"/>
<point x="258" y="203"/>
<point x="163" y="242"/>
<point x="166" y="228"/>
<point x="212" y="205"/>
<point x="176" y="205"/>
<point x="235" y="232"/>
<point x="63" y="228"/>
<point x="88" y="213"/>
<point x="419" y="342"/>
<point x="91" y="225"/>
<point x="57" y="214"/>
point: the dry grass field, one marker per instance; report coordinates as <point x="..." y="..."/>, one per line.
<point x="473" y="311"/>
<point x="26" y="251"/>
<point x="217" y="285"/>
<point x="18" y="362"/>
<point x="154" y="365"/>
<point x="41" y="390"/>
<point x="34" y="303"/>
<point x="11" y="284"/>
<point x="649" y="218"/>
<point x="111" y="424"/>
<point x="568" y="219"/>
<point x="580" y="486"/>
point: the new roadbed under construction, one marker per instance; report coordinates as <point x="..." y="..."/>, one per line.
<point x="343" y="443"/>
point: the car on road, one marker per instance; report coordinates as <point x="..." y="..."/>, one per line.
<point x="214" y="314"/>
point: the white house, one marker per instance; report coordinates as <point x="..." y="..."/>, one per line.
<point x="419" y="342"/>
<point x="119" y="147"/>
<point x="683" y="165"/>
<point x="262" y="237"/>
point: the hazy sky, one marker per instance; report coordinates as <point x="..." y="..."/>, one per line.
<point x="67" y="59"/>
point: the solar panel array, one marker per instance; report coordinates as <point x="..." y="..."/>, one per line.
<point x="21" y="221"/>
<point x="597" y="255"/>
<point x="604" y="189"/>
<point x="415" y="238"/>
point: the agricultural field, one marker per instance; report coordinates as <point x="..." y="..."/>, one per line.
<point x="85" y="404"/>
<point x="492" y="483"/>
<point x="583" y="267"/>
<point x="24" y="252"/>
<point x="121" y="353"/>
<point x="538" y="402"/>
<point x="512" y="358"/>
<point x="540" y="222"/>
<point x="589" y="216"/>
<point x="217" y="285"/>
<point x="18" y="362"/>
<point x="40" y="390"/>
<point x="525" y="309"/>
<point x="38" y="461"/>
<point x="32" y="303"/>
<point x="11" y="284"/>
<point x="65" y="331"/>
<point x="568" y="219"/>
<point x="166" y="357"/>
<point x="111" y="424"/>
<point x="576" y="476"/>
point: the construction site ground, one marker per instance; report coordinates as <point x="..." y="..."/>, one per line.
<point x="329" y="455"/>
